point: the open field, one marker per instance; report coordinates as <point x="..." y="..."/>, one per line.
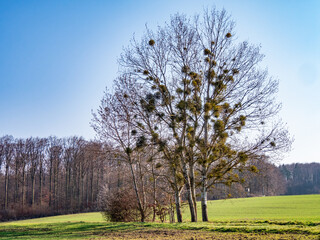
<point x="280" y="208"/>
<point x="285" y="217"/>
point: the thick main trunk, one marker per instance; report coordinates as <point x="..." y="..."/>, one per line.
<point x="191" y="204"/>
<point x="193" y="188"/>
<point x="189" y="194"/>
<point x="178" y="206"/>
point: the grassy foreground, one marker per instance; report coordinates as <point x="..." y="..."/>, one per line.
<point x="284" y="217"/>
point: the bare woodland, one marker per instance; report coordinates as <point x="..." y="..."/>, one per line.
<point x="45" y="176"/>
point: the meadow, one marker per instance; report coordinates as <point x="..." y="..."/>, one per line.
<point x="283" y="217"/>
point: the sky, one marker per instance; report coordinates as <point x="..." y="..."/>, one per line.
<point x="57" y="58"/>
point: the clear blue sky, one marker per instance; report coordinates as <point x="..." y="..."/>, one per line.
<point x="57" y="57"/>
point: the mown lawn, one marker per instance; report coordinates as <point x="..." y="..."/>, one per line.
<point x="284" y="217"/>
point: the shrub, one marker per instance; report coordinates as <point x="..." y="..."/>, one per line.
<point x="120" y="206"/>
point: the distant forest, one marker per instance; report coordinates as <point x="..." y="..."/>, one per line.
<point x="49" y="176"/>
<point x="286" y="179"/>
<point x="301" y="178"/>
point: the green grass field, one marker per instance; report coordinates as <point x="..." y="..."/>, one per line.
<point x="285" y="208"/>
<point x="284" y="217"/>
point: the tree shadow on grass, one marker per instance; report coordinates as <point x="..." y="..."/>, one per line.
<point x="67" y="230"/>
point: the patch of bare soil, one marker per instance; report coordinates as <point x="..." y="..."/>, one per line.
<point x="166" y="234"/>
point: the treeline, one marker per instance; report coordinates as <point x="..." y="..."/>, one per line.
<point x="286" y="179"/>
<point x="48" y="176"/>
<point x="268" y="181"/>
<point x="301" y="178"/>
<point x="44" y="176"/>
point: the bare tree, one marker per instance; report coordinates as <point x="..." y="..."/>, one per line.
<point x="113" y="124"/>
<point x="218" y="107"/>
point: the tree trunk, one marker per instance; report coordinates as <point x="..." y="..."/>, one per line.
<point x="171" y="213"/>
<point x="6" y="187"/>
<point x="98" y="182"/>
<point x="54" y="188"/>
<point x="143" y="193"/>
<point x="118" y="176"/>
<point x="50" y="180"/>
<point x="154" y="194"/>
<point x="66" y="187"/>
<point x="82" y="192"/>
<point x="40" y="183"/>
<point x="141" y="210"/>
<point x="204" y="193"/>
<point x="23" y="185"/>
<point x="91" y="185"/>
<point x="79" y="185"/>
<point x="87" y="193"/>
<point x="54" y="199"/>
<point x="32" y="186"/>
<point x="178" y="205"/>
<point x="204" y="198"/>
<point x="177" y="196"/>
<point x="70" y="189"/>
<point x="16" y="186"/>
<point x="193" y="188"/>
<point x="189" y="194"/>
